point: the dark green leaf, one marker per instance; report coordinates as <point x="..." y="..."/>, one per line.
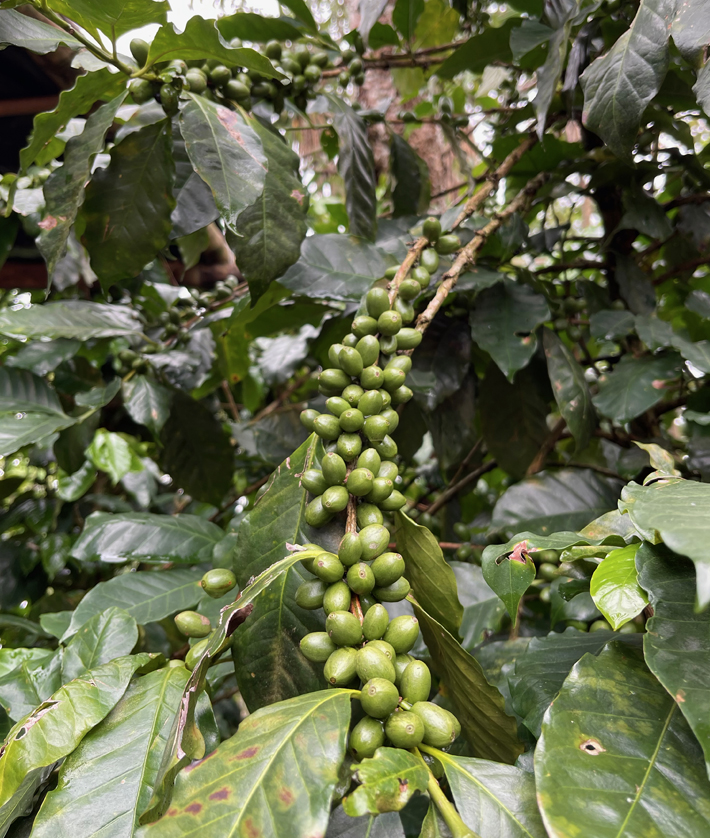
<point x="69" y="319"/>
<point x="113" y="17"/>
<point x="615" y="589"/>
<point x="611" y="325"/>
<point x="619" y="85"/>
<point x="370" y="11"/>
<point x="196" y="451"/>
<point x="272" y="228"/>
<point x="524" y="38"/>
<point x="128" y="205"/>
<point x="691" y="28"/>
<point x="702" y="88"/>
<point x="635" y="385"/>
<point x="432" y="579"/>
<point x="628" y="766"/>
<point x="381" y="35"/>
<point x="256" y="28"/>
<point x="226" y="153"/>
<point x="677" y="639"/>
<point x="182" y="539"/>
<point x="147" y="402"/>
<point x="483" y="612"/>
<point x="645" y="214"/>
<point x="107" y="782"/>
<point x="478" y="52"/>
<point x="412" y="191"/>
<point x="8" y="233"/>
<point x="302" y="13"/>
<point x="509" y="576"/>
<point x="71" y="487"/>
<point x="288" y="753"/>
<point x="503" y="323"/>
<point x="333" y="267"/>
<point x="387" y="782"/>
<point x="32" y="682"/>
<point x="341" y="825"/>
<point x="111" y="634"/>
<point x="433" y="825"/>
<point x="478" y="705"/>
<point x="268" y="660"/>
<point x="405" y="16"/>
<point x="570" y="388"/>
<point x="25" y="32"/>
<point x="493" y="798"/>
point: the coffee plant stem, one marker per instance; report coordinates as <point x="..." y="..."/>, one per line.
<point x="451" y="817"/>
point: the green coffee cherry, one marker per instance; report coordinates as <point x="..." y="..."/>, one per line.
<point x="600" y="625"/>
<point x="360" y="578"/>
<point x="393" y="379"/>
<point x="548" y="571"/>
<point x="366" y="737"/>
<point x="360" y="481"/>
<point x="421" y="275"/>
<point x="337" y="405"/>
<point x="192" y="624"/>
<point x="392" y="418"/>
<point x="374" y="540"/>
<point x="448" y="244"/>
<point x="308" y="418"/>
<point x="404" y="729"/>
<point x="440" y="727"/>
<point x="218" y="582"/>
<point x="169" y="99"/>
<point x="379" y="698"/>
<point x="335" y="498"/>
<point x="334" y="355"/>
<point x="309" y="595"/>
<point x="415" y="684"/>
<point x="405" y="310"/>
<point x="408" y="339"/>
<point x="351" y="420"/>
<point x="139" y="50"/>
<point x="375" y="428"/>
<point x="328" y="567"/>
<point x="401" y="662"/>
<point x="368" y="514"/>
<point x="409" y="289"/>
<point x="236" y="91"/>
<point x="350" y="360"/>
<point x="338" y="598"/>
<point x="364" y="325"/>
<point x="375" y="623"/>
<point x="317" y="647"/>
<point x="334" y="379"/>
<point x="350" y="549"/>
<point x="373" y="663"/>
<point x="577" y="624"/>
<point x="402" y="633"/>
<point x="389" y="322"/>
<point x="388" y="469"/>
<point x="370" y="403"/>
<point x="343" y="628"/>
<point x="431" y="229"/>
<point x="220" y="75"/>
<point x="429" y="260"/>
<point x="367" y="601"/>
<point x="348" y="446"/>
<point x="372" y="377"/>
<point x="192" y="658"/>
<point x="316" y="514"/>
<point x="377" y="302"/>
<point x="141" y="90"/>
<point x="385" y="647"/>
<point x="370" y="459"/>
<point x="396" y="500"/>
<point x="382" y="488"/>
<point x="387" y="447"/>
<point x="339" y="669"/>
<point x="388" y="344"/>
<point x="391" y="272"/>
<point x="350" y="340"/>
<point x="395" y="592"/>
<point x="387" y="569"/>
<point x="401" y="396"/>
<point x="327" y="427"/>
<point x="313" y="481"/>
<point x="334" y="469"/>
<point x="401" y="362"/>
<point x="352" y="394"/>
<point x="369" y="349"/>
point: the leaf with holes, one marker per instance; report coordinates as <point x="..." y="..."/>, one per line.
<point x="509" y="576"/>
<point x="615" y="589"/>
<point x="628" y="766"/>
<point x="387" y="782"/>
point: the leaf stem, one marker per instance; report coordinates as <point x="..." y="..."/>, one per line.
<point x="444" y="805"/>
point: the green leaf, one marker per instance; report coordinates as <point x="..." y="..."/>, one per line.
<point x="387" y="782"/>
<point x="302" y="13"/>
<point x="268" y="660"/>
<point x="478" y="52"/>
<point x="478" y="705"/>
<point x="383" y="35"/>
<point x="113" y="17"/>
<point x="334" y="267"/>
<point x="644" y="213"/>
<point x="548" y="76"/>
<point x="12" y="659"/>
<point x="288" y="754"/>
<point x="677" y="641"/>
<point x="111" y="453"/>
<point x="146" y="537"/>
<point x="433" y="825"/>
<point x="106" y="636"/>
<point x="509" y="576"/>
<point x="503" y="323"/>
<point x="432" y="579"/>
<point x="491" y="796"/>
<point x="626" y="766"/>
<point x="563" y="499"/>
<point x="55" y="728"/>
<point x="107" y="781"/>
<point x="405" y="16"/>
<point x="252" y="27"/>
<point x="539" y="672"/>
<point x="201" y="41"/>
<point x="147" y="596"/>
<point x="69" y="319"/>
<point x="370" y="11"/>
<point x="196" y="452"/>
<point x="8" y="233"/>
<point x="483" y="612"/>
<point x="675" y="512"/>
<point x="570" y="388"/>
<point x="226" y="153"/>
<point x="341" y="825"/>
<point x="635" y="385"/>
<point x="701" y="88"/>
<point x="412" y="191"/>
<point x="615" y="589"/>
<point x="71" y="487"/>
<point x="146" y="402"/>
<point x="128" y="204"/>
<point x="25" y="32"/>
<point x="272" y="228"/>
<point x="24" y="688"/>
<point x="56" y="622"/>
<point x="619" y="85"/>
<point x="691" y="28"/>
<point x="524" y="38"/>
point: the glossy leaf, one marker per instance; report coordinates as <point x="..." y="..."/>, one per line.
<point x="128" y="205"/>
<point x="627" y="767"/>
<point x="55" y="728"/>
<point x="110" y="452"/>
<point x="107" y="781"/>
<point x="676" y="641"/>
<point x="69" y="319"/>
<point x="111" y="634"/>
<point x="701" y="88"/>
<point x="615" y="588"/>
<point x="478" y="705"/>
<point x="691" y="28"/>
<point x="432" y="579"/>
<point x="483" y="612"/>
<point x="493" y="799"/>
<point x="268" y="660"/>
<point x="433" y="825"/>
<point x="548" y="76"/>
<point x="619" y="85"/>
<point x="272" y="229"/>
<point x="288" y="753"/>
<point x="341" y="825"/>
<point x="509" y="576"/>
<point x="635" y="385"/>
<point x="226" y="153"/>
<point x="412" y="189"/>
<point x="25" y="32"/>
<point x="32" y="682"/>
<point x="256" y="28"/>
<point x="503" y="323"/>
<point x="113" y="17"/>
<point x="333" y="267"/>
<point x="147" y="402"/>
<point x="570" y="388"/>
<point x="475" y="54"/>
<point x="387" y="782"/>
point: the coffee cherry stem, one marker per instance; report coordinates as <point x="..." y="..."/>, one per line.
<point x="356" y="608"/>
<point x="446" y="808"/>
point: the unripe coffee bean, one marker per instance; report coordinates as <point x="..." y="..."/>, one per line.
<point x="388" y="469"/>
<point x="309" y="595"/>
<point x="377" y="302"/>
<point x="350" y="549"/>
<point x="316" y="514"/>
<point x="192" y="624"/>
<point x="308" y="418"/>
<point x="195" y="653"/>
<point x="375" y="623"/>
<point x="440" y="727"/>
<point x="313" y="481"/>
<point x="366" y="737"/>
<point x="392" y="418"/>
<point x="401" y="662"/>
<point x="385" y="647"/>
<point x="382" y="488"/>
<point x="360" y="482"/>
<point x="360" y="578"/>
<point x="351" y="360"/>
<point x="389" y="322"/>
<point x="327" y="427"/>
<point x="402" y="633"/>
<point x="404" y="729"/>
<point x="429" y="260"/>
<point x="364" y="325"/>
<point x="370" y="403"/>
<point x="395" y="592"/>
<point x="368" y="514"/>
<point x="328" y="567"/>
<point x="373" y="663"/>
<point x="431" y="229"/>
<point x="352" y="394"/>
<point x="387" y="568"/>
<point x="375" y="428"/>
<point x="379" y="698"/>
<point x="338" y="598"/>
<point x="343" y="628"/>
<point x="396" y="500"/>
<point x="334" y="379"/>
<point x="348" y="446"/>
<point x="370" y="459"/>
<point x="334" y="469"/>
<point x="218" y="582"/>
<point x="337" y="405"/>
<point x="369" y="349"/>
<point x="448" y="244"/>
<point x="387" y="447"/>
<point x="372" y="377"/>
<point x="415" y="684"/>
<point x="317" y="647"/>
<point x="408" y="339"/>
<point x="374" y="540"/>
<point x="335" y="498"/>
<point x="409" y="289"/>
<point x="334" y="355"/>
<point x="339" y="669"/>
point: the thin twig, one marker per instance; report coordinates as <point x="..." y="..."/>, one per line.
<point x="455" y="488"/>
<point x="549" y="443"/>
<point x="686" y="266"/>
<point x="281" y="398"/>
<point x="230" y="400"/>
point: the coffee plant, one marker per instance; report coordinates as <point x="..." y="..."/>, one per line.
<point x="331" y="505"/>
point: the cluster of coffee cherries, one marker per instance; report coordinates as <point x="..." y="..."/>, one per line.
<point x="215" y="583"/>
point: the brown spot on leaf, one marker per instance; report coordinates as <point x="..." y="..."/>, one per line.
<point x="680" y="696"/>
<point x="48" y="223"/>
<point x="403" y="786"/>
<point x="251" y="830"/>
<point x="194" y="808"/>
<point x="520" y="553"/>
<point x="172" y="813"/>
<point x="248" y="753"/>
<point x="297" y="195"/>
<point x="592" y="747"/>
<point x="286" y="796"/>
<point x="220" y="794"/>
